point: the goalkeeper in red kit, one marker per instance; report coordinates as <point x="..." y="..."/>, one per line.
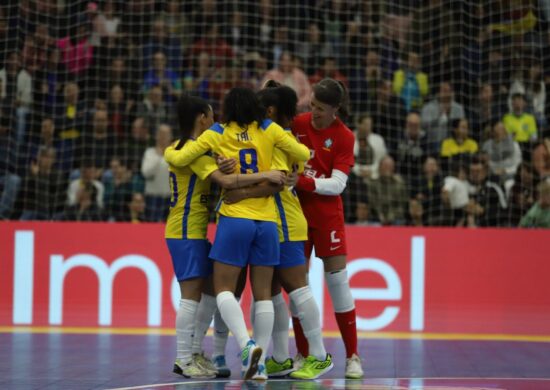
<point x="319" y="188"/>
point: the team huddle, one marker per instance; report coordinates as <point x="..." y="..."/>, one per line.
<point x="281" y="176"/>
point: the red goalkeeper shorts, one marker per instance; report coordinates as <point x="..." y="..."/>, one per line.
<point x="330" y="242"/>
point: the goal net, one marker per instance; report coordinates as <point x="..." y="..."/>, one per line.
<point x="447" y="99"/>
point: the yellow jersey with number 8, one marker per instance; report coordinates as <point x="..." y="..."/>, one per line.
<point x="252" y="147"/>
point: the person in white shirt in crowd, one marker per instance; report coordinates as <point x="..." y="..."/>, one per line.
<point x="155" y="171"/>
<point x="455" y="194"/>
<point x="369" y="149"/>
<point x="504" y="154"/>
<point x="438" y="115"/>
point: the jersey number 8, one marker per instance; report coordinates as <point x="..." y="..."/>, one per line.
<point x="248" y="158"/>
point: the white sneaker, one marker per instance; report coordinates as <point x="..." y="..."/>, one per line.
<point x="353" y="367"/>
<point x="298" y="361"/>
<point x="261" y="374"/>
<point x="205" y="363"/>
<point x="192" y="370"/>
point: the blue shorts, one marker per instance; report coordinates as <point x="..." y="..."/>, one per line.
<point x="241" y="241"/>
<point x="292" y="254"/>
<point x="190" y="258"/>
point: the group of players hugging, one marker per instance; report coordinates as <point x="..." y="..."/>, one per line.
<point x="281" y="176"/>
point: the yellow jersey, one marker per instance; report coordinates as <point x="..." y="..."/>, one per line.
<point x="190" y="185"/>
<point x="450" y="147"/>
<point x="252" y="147"/>
<point x="291" y="222"/>
<point x="523" y="127"/>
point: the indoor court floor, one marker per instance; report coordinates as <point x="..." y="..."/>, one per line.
<point x="35" y="360"/>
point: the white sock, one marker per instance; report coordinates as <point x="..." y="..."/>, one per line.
<point x="309" y="315"/>
<point x="263" y="324"/>
<point x="205" y="312"/>
<point x="252" y="311"/>
<point x="220" y="335"/>
<point x="340" y="293"/>
<point x="232" y="315"/>
<point x="280" y="329"/>
<point x="185" y="327"/>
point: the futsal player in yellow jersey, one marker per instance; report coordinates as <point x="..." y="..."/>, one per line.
<point x="247" y="230"/>
<point x="280" y="102"/>
<point x="186" y="228"/>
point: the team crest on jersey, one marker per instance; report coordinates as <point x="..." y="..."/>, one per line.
<point x="328" y="144"/>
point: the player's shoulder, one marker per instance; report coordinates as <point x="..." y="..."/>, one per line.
<point x="217" y="128"/>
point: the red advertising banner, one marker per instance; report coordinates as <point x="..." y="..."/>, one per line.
<point x="403" y="279"/>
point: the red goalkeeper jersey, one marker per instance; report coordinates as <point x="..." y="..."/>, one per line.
<point x="331" y="148"/>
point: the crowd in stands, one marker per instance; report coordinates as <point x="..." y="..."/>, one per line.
<point x="448" y="101"/>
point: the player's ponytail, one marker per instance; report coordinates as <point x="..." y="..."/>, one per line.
<point x="188" y="109"/>
<point x="334" y="93"/>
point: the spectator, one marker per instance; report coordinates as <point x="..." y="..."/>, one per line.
<point x="76" y="48"/>
<point x="64" y="151"/>
<point x="88" y="174"/>
<point x="282" y="43"/>
<point x="119" y="188"/>
<point x="153" y="109"/>
<point x="388" y="115"/>
<point x="411" y="149"/>
<point x="71" y="114"/>
<point x="86" y="208"/>
<point x="290" y="75"/>
<point x="212" y="44"/>
<point x="99" y="145"/>
<point x="104" y="23"/>
<point x="369" y="149"/>
<point x="365" y="83"/>
<point x="328" y="69"/>
<point x="155" y="171"/>
<point x="539" y="215"/>
<point x="16" y="93"/>
<point x="520" y="123"/>
<point x="504" y="153"/>
<point x="460" y="142"/>
<point x="198" y="80"/>
<point x="119" y="74"/>
<point x="455" y="194"/>
<point x="531" y="85"/>
<point x="133" y="149"/>
<point x="176" y="21"/>
<point x="438" y="114"/>
<point x="488" y="204"/>
<point x="521" y="193"/>
<point x="483" y="113"/>
<point x="541" y="158"/>
<point x="161" y="41"/>
<point x="313" y="49"/>
<point x="48" y="89"/>
<point x="416" y="213"/>
<point x="42" y="188"/>
<point x="136" y="209"/>
<point x="119" y="110"/>
<point x="410" y="83"/>
<point x="362" y="215"/>
<point x="387" y="195"/>
<point x="427" y="190"/>
<point x="10" y="182"/>
<point x="163" y="77"/>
